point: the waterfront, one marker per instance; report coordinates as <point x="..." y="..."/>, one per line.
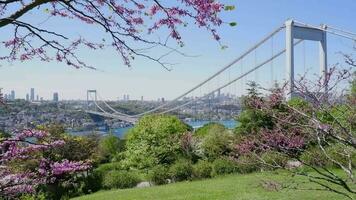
<point x="120" y="132"/>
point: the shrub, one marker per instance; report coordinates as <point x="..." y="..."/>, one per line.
<point x="92" y="183"/>
<point x="273" y="159"/>
<point x="105" y="168"/>
<point x="216" y="144"/>
<point x="247" y="164"/>
<point x="120" y="179"/>
<point x="154" y="140"/>
<point x="203" y="169"/>
<point x="315" y="157"/>
<point x="109" y="147"/>
<point x="210" y="127"/>
<point x="337" y="152"/>
<point x="159" y="175"/>
<point x="224" y="166"/>
<point x="181" y="170"/>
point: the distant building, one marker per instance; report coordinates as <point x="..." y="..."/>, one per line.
<point x="27" y="97"/>
<point x="55" y="97"/>
<point x="32" y="94"/>
<point x="12" y="95"/>
<point x="163" y="99"/>
<point x="37" y="98"/>
<point x="141" y="98"/>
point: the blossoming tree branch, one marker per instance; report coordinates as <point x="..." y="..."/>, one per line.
<point x="127" y="24"/>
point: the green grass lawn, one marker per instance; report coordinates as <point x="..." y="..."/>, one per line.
<point x="232" y="187"/>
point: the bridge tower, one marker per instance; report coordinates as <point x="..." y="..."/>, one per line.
<point x="304" y="32"/>
<point x="90" y="98"/>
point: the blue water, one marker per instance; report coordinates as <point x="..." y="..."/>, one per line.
<point x="120" y="132"/>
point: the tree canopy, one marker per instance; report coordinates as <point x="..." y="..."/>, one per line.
<point x="127" y="24"/>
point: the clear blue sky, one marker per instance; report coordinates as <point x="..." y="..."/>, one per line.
<point x="255" y="18"/>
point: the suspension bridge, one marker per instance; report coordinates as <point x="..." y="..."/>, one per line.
<point x="257" y="59"/>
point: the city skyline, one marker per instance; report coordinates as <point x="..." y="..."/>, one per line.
<point x="113" y="79"/>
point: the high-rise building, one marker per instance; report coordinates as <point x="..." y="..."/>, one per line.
<point x="55" y="97"/>
<point x="141" y="98"/>
<point x="37" y="98"/>
<point x="27" y="97"/>
<point x="12" y="95"/>
<point x="32" y="94"/>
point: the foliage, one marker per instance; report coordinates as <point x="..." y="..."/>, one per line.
<point x="120" y="179"/>
<point x="247" y="164"/>
<point x="159" y="175"/>
<point x="181" y="170"/>
<point x="75" y="148"/>
<point x="224" y="166"/>
<point x="315" y="157"/>
<point x="273" y="160"/>
<point x="252" y="119"/>
<point x="154" y="140"/>
<point x="109" y="147"/>
<point x="318" y="131"/>
<point x="191" y="147"/>
<point x="209" y="127"/>
<point x="40" y="196"/>
<point x="104" y="168"/>
<point x="203" y="169"/>
<point x="29" y="146"/>
<point x="121" y="23"/>
<point x="216" y="144"/>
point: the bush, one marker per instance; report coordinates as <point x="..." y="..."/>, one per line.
<point x="92" y="183"/>
<point x="120" y="179"/>
<point x="109" y="147"/>
<point x="337" y="152"/>
<point x="105" y="168"/>
<point x="203" y="169"/>
<point x="210" y="127"/>
<point x="224" y="166"/>
<point x="155" y="140"/>
<point x="247" y="164"/>
<point x="315" y="157"/>
<point x="181" y="170"/>
<point x="159" y="175"/>
<point x="216" y="144"/>
<point x="273" y="159"/>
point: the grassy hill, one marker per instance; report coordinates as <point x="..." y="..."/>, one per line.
<point x="232" y="187"/>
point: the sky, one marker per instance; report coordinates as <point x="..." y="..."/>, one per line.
<point x="255" y="19"/>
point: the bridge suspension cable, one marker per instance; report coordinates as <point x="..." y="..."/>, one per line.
<point x="215" y="74"/>
<point x="112" y="109"/>
<point x="234" y="80"/>
<point x="328" y="29"/>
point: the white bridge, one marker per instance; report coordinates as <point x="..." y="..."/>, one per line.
<point x="295" y="34"/>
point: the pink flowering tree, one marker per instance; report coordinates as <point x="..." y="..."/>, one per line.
<point x="317" y="129"/>
<point x="23" y="168"/>
<point x="127" y="27"/>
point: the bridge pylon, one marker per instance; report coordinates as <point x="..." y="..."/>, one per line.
<point x="294" y="30"/>
<point x="89" y="98"/>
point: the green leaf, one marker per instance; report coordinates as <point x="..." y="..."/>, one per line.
<point x="223" y="47"/>
<point x="232" y="23"/>
<point x="229" y="8"/>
